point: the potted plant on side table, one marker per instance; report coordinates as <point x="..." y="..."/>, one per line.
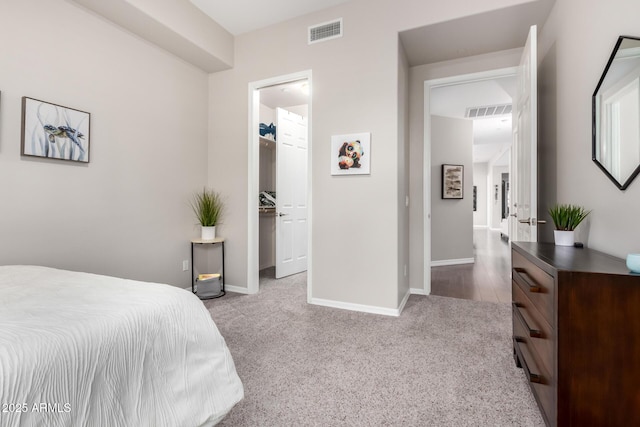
<point x="207" y="205"/>
<point x="566" y="218"/>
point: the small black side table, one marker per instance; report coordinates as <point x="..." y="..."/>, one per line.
<point x="218" y="240"/>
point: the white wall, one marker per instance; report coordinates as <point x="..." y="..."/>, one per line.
<point x="575" y="45"/>
<point x="125" y="213"/>
<point x="480" y="177"/>
<point x="451" y="219"/>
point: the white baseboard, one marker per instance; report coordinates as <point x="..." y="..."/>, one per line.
<point x="404" y="302"/>
<point x="357" y="307"/>
<point x="417" y="291"/>
<point x="236" y="289"/>
<point x="495" y="229"/>
<point x="480" y="226"/>
<point x="452" y="262"/>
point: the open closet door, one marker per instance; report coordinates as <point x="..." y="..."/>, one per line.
<point x="524" y="160"/>
<point x="291" y="193"/>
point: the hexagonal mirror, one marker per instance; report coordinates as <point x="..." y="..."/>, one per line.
<point x="616" y="114"/>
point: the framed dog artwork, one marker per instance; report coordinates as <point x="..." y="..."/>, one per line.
<point x="351" y="154"/>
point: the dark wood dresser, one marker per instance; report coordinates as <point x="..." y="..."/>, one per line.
<point x="576" y="333"/>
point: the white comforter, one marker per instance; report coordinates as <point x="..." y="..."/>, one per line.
<point x="80" y="349"/>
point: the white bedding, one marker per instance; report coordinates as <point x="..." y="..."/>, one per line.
<point x="80" y="349"/>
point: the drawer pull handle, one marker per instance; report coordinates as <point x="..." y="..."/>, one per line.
<point x="521" y="275"/>
<point x="534" y="333"/>
<point x="533" y="378"/>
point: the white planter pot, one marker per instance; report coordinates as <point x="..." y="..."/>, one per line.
<point x="564" y="238"/>
<point x="208" y="233"/>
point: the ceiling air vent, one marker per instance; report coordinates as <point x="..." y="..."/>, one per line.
<point x="326" y="31"/>
<point x="488" y="111"/>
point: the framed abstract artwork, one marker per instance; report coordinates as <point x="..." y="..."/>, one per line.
<point x="55" y="132"/>
<point x="351" y="154"/>
<point x="452" y="181"/>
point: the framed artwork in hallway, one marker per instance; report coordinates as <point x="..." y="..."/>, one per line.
<point x="452" y="181"/>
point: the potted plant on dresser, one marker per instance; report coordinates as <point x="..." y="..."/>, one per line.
<point x="566" y="218"/>
<point x="207" y="205"/>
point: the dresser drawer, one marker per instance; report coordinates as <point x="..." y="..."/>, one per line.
<point x="529" y="324"/>
<point x="536" y="284"/>
<point x="539" y="379"/>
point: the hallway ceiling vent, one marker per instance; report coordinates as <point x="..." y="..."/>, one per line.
<point x="488" y="111"/>
<point x="325" y="31"/>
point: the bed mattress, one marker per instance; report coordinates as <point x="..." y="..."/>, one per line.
<point x="79" y="349"/>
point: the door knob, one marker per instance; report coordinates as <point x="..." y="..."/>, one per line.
<point x="282" y="214"/>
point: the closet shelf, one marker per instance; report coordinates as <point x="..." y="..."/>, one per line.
<point x="266" y="209"/>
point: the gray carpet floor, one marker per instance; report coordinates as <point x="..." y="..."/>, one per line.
<point x="443" y="362"/>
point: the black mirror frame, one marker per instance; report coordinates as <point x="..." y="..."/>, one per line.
<point x="621" y="186"/>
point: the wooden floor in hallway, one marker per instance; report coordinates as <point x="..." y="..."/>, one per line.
<point x="488" y="279"/>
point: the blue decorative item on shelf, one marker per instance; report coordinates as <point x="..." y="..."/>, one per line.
<point x="268" y="129"/>
<point x="633" y="263"/>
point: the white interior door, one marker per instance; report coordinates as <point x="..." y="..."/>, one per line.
<point x="524" y="160"/>
<point x="291" y="193"/>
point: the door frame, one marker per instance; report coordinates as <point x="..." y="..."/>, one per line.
<point x="253" y="177"/>
<point x="426" y="161"/>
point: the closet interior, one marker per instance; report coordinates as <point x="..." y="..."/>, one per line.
<point x="276" y="103"/>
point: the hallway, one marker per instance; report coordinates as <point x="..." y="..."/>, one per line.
<point x="488" y="279"/>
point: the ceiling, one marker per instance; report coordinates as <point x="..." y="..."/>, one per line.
<point x="491" y="136"/>
<point x="242" y="16"/>
<point x="488" y="32"/>
<point x="285" y="95"/>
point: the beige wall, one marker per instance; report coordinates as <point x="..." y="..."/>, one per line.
<point x="177" y="26"/>
<point x="137" y="172"/>
<point x="355" y="89"/>
<point x="451" y="219"/>
<point x="125" y="213"/>
<point x="403" y="175"/>
<point x="574" y="46"/>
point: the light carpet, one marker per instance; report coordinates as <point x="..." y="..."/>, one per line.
<point x="443" y="362"/>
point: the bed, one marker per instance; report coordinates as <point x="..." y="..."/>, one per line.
<point x="84" y="349"/>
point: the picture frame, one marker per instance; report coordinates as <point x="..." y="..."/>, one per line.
<point x="351" y="154"/>
<point x="452" y="181"/>
<point x="55" y="132"/>
<point x="475" y="198"/>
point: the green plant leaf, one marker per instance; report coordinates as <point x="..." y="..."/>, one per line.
<point x="208" y="207"/>
<point x="567" y="217"/>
